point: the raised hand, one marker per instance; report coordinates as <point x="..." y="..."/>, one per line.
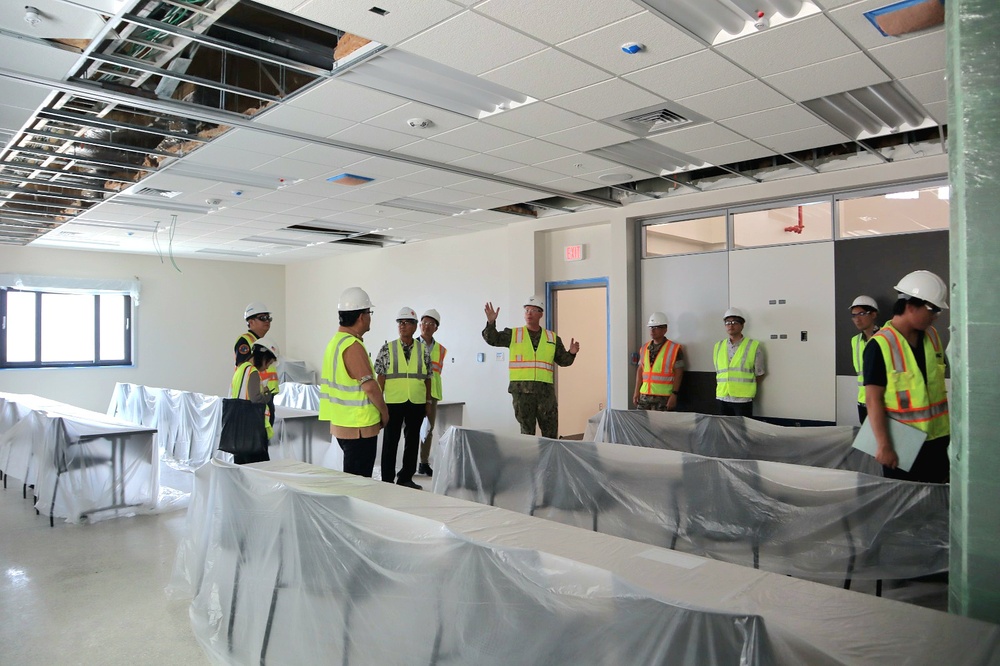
<point x="574" y="346"/>
<point x="491" y="313"/>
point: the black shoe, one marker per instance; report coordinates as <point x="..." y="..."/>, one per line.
<point x="409" y="484"/>
<point x="424" y="469"/>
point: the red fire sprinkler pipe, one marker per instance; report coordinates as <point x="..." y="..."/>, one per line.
<point x="797" y="229"/>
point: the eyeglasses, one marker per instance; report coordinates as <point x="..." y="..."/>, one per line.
<point x="262" y="317"/>
<point x="732" y="322"/>
<point x="855" y="315"/>
<point x="933" y="308"/>
<point x="659" y="326"/>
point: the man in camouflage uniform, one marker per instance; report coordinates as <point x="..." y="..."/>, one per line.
<point x="534" y="353"/>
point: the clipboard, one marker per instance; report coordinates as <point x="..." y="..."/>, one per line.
<point x="906" y="440"/>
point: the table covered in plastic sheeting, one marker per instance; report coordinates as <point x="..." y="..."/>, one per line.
<point x="732" y="437"/>
<point x="295" y="371"/>
<point x="295" y="564"/>
<point x="81" y="463"/>
<point x="298" y="396"/>
<point x="819" y="524"/>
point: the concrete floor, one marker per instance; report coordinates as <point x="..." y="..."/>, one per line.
<point x="90" y="594"/>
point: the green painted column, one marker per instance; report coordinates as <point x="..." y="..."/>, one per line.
<point x="973" y="28"/>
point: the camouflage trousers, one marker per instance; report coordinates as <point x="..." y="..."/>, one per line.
<point x="539" y="407"/>
<point x="653" y="403"/>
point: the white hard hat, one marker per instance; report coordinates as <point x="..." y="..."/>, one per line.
<point x="657" y="319"/>
<point x="264" y="343"/>
<point x="734" y="312"/>
<point x="406" y="313"/>
<point x="255" y="309"/>
<point x="433" y="314"/>
<point x="864" y="302"/>
<point x="926" y="286"/>
<point x="354" y="298"/>
<point x="535" y="301"/>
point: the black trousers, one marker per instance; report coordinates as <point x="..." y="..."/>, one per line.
<point x="931" y="466"/>
<point x="862" y="412"/>
<point x="406" y="417"/>
<point x="359" y="455"/>
<point x="255" y="456"/>
<point x="735" y="408"/>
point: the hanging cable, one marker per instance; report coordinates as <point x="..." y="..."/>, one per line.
<point x="170" y="242"/>
<point x="156" y="241"/>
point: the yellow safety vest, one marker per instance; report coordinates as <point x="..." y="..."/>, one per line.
<point x="241" y="389"/>
<point x="735" y="378"/>
<point x="342" y="400"/>
<point x="270" y="377"/>
<point x="406" y="380"/>
<point x="438" y="353"/>
<point x="658" y="378"/>
<point x="908" y="398"/>
<point x="858" y="343"/>
<point x="527" y="364"/>
<point x="250" y="338"/>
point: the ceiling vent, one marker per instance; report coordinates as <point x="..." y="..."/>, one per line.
<point x="153" y="192"/>
<point x="656" y="119"/>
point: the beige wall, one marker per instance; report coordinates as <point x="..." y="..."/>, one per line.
<point x="185" y="325"/>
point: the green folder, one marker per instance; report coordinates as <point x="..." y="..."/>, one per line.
<point x="906" y="440"/>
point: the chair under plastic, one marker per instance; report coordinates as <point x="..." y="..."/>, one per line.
<point x="477" y="465"/>
<point x="569" y="477"/>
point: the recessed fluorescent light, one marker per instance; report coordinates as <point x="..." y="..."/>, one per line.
<point x="177" y="206"/>
<point x="646" y="155"/>
<point x="903" y="195"/>
<point x="944" y="193"/>
<point x="289" y="242"/>
<point x="113" y="225"/>
<point x="426" y="206"/>
<point x="413" y="77"/>
<point x="248" y="178"/>
<point x="349" y="179"/>
<point x="229" y="253"/>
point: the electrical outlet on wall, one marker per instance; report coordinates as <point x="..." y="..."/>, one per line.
<point x="500" y="356"/>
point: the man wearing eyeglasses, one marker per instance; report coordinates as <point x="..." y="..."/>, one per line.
<point x="739" y="367"/>
<point x="661" y="368"/>
<point x="258" y="318"/>
<point x="864" y="312"/>
<point x="914" y="391"/>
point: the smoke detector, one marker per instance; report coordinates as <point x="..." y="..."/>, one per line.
<point x="419" y="123"/>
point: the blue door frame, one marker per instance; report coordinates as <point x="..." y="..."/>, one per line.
<point x="578" y="284"/>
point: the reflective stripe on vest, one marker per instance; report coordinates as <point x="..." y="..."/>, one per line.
<point x="528" y="365"/>
<point x="269" y="377"/>
<point x="438" y="353"/>
<point x="735" y="378"/>
<point x="858" y="350"/>
<point x="908" y="398"/>
<point x="342" y="400"/>
<point x="241" y="389"/>
<point x="406" y="379"/>
<point x="659" y="379"/>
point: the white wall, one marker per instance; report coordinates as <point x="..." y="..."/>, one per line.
<point x="185" y="326"/>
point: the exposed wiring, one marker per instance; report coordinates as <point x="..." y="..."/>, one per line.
<point x="170" y="242"/>
<point x="156" y="241"/>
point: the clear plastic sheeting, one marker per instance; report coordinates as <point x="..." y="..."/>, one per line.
<point x="294" y="574"/>
<point x="818" y="524"/>
<point x="732" y="437"/>
<point x="288" y="563"/>
<point x="70" y="285"/>
<point x="298" y="396"/>
<point x="82" y="464"/>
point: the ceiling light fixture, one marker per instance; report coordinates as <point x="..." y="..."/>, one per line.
<point x="177" y="206"/>
<point x="718" y="21"/>
<point x="413" y="77"/>
<point x="646" y="155"/>
<point x="872" y="111"/>
<point x="422" y="206"/>
<point x="233" y="177"/>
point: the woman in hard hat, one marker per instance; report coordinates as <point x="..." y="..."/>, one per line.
<point x="904" y="372"/>
<point x="247" y="385"/>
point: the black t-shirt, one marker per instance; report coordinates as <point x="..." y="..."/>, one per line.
<point x="873" y="363"/>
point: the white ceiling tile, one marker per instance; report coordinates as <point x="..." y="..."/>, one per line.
<point x="699" y="137"/>
<point x="927" y="88"/>
<point x="260" y="142"/>
<point x="811" y="40"/>
<point x="577" y="164"/>
<point x="433" y="150"/>
<point x="532" y="151"/>
<point x="229" y="158"/>
<point x="938" y="111"/>
<point x="293" y="169"/>
<point x="441" y="120"/>
<point x="480" y="137"/>
<point x="773" y="121"/>
<point x="832" y="4"/>
<point x="554" y="22"/>
<point x="546" y="74"/>
<point x="345" y="100"/>
<point x="690" y="75"/>
<point x="487" y="163"/>
<point x="853" y="21"/>
<point x="495" y="44"/>
<point x="803" y="139"/>
<point x="22" y="95"/>
<point x="606" y="99"/>
<point x="661" y="40"/>
<point x="571" y="184"/>
<point x="403" y="20"/>
<point x="477" y="186"/>
<point x="530" y="174"/>
<point x="738" y="100"/>
<point x="23" y="56"/>
<point x="913" y="56"/>
<point x="734" y="152"/>
<point x="827" y="78"/>
<point x="536" y="119"/>
<point x="521" y="194"/>
<point x="438" y="178"/>
<point x="442" y="195"/>
<point x="373" y="137"/>
<point x="589" y="136"/>
<point x="326" y="155"/>
<point x="290" y="117"/>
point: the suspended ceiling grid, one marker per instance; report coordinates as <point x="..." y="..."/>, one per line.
<point x="752" y="91"/>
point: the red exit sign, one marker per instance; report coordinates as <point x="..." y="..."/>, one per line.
<point x="574" y="253"/>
